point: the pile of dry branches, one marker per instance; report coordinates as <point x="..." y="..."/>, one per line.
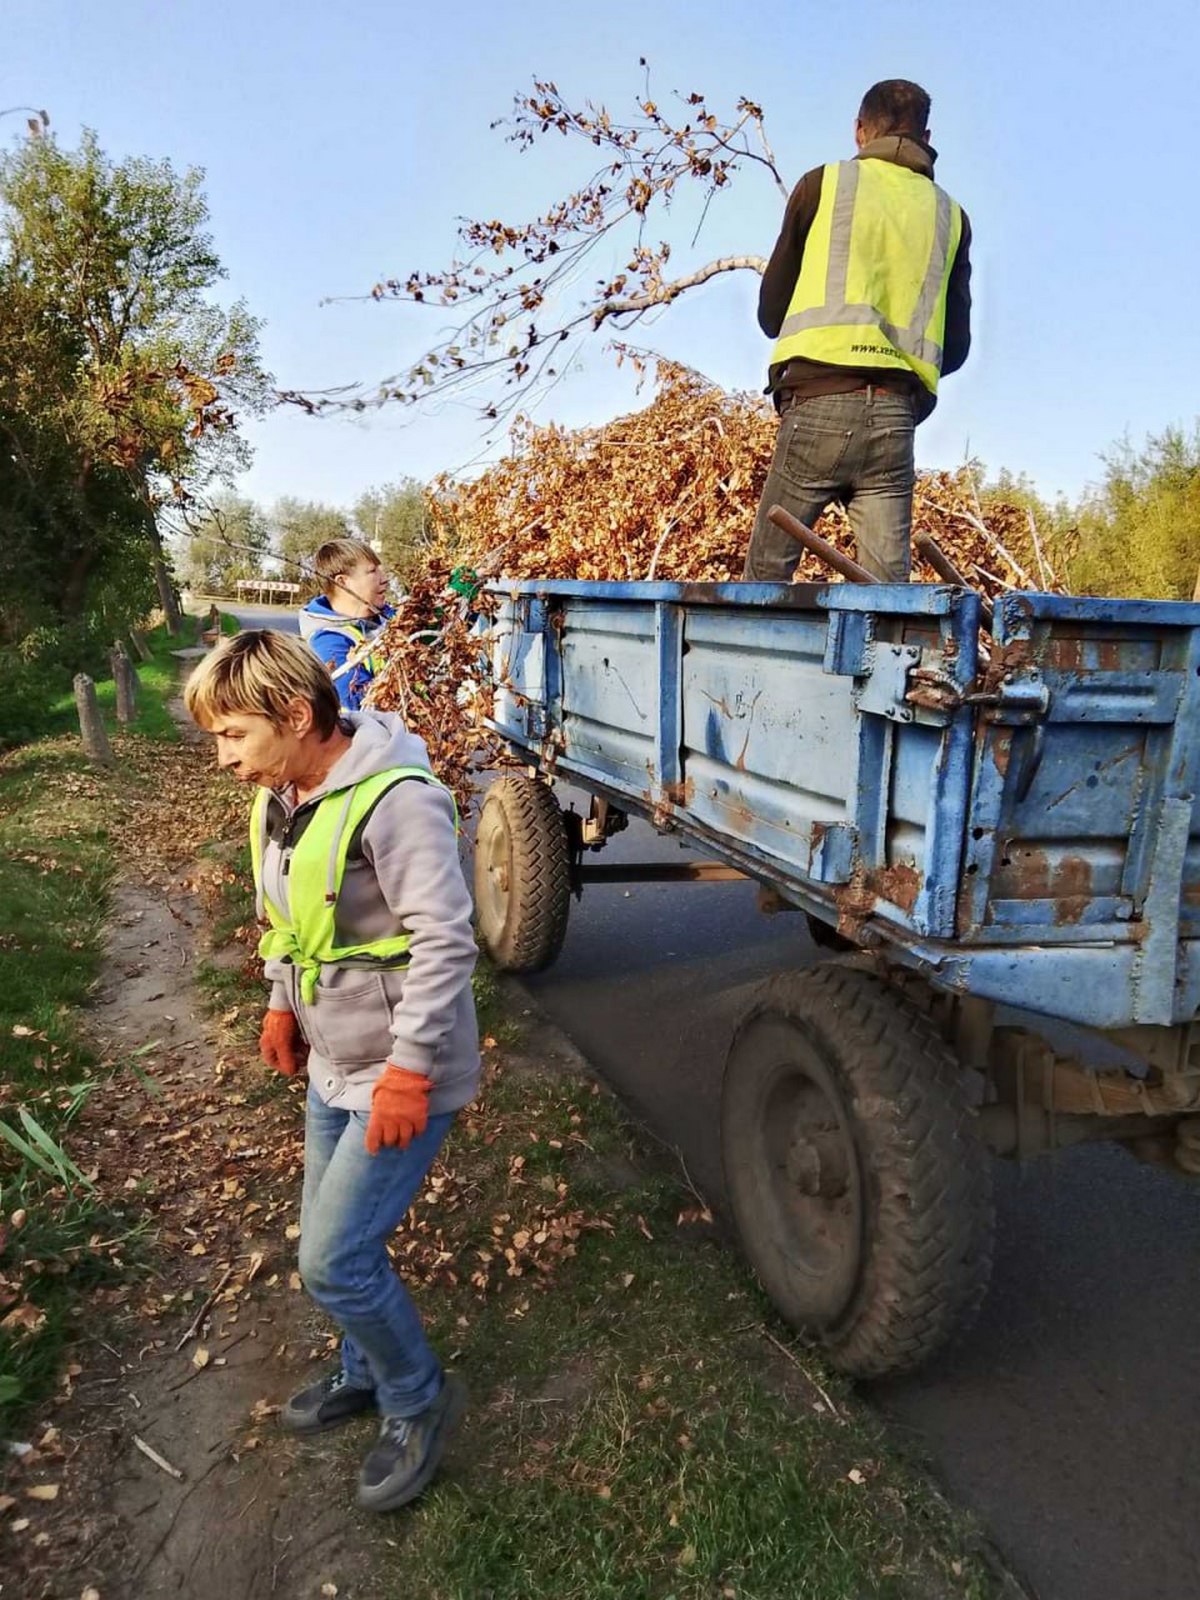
<point x="669" y="492"/>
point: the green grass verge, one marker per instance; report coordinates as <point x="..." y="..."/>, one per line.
<point x="56" y="865"/>
<point x="157" y="679"/>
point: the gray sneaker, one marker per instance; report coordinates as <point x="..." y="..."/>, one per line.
<point x="327" y="1403"/>
<point x="409" y="1451"/>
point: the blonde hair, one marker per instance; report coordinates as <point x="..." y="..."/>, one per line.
<point x="337" y="557"/>
<point x="261" y="673"/>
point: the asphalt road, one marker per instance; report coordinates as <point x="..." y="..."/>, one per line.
<point x="282" y="618"/>
<point x="1063" y="1418"/>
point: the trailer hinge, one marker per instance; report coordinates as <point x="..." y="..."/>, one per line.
<point x="884" y="688"/>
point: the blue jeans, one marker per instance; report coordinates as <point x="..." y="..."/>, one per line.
<point x="353" y="1203"/>
<point x="854" y="448"/>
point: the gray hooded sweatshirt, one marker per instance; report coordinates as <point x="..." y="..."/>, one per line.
<point x="402" y="875"/>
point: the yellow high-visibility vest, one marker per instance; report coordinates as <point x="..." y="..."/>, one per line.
<point x="307" y="937"/>
<point x="872" y="285"/>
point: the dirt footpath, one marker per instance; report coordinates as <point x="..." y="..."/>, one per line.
<point x="240" y="1522"/>
<point x="174" y="1478"/>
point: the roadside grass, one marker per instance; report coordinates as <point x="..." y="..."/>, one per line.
<point x="157" y="680"/>
<point x="56" y="867"/>
<point x="229" y="978"/>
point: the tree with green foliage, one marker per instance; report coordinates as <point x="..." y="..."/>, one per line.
<point x="77" y="564"/>
<point x="300" y="528"/>
<point x="392" y="520"/>
<point x="1139" y="530"/>
<point x="229" y="543"/>
<point x="115" y="258"/>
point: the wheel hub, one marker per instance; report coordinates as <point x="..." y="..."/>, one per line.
<point x="816" y="1162"/>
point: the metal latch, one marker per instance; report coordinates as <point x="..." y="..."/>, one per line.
<point x="1019" y="698"/>
<point x="1022" y="699"/>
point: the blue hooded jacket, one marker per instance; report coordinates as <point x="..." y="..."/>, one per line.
<point x="334" y="638"/>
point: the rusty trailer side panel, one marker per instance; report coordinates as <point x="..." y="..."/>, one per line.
<point x="1028" y="832"/>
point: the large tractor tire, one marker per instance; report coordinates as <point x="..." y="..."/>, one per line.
<point x="522" y="875"/>
<point x="861" y="1192"/>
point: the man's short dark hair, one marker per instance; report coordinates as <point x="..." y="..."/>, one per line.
<point x="895" y="106"/>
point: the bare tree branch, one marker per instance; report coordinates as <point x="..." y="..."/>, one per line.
<point x="519" y="315"/>
<point x="664" y="293"/>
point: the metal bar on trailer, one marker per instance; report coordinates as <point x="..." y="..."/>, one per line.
<point x="821" y="548"/>
<point x="661" y="872"/>
<point x="945" y="568"/>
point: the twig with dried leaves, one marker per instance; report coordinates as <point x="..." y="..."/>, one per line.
<point x="802" y="1369"/>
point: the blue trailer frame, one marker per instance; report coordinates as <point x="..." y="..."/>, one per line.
<point x="1018" y="824"/>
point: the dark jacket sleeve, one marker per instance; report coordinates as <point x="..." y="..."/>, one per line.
<point x="779" y="280"/>
<point x="956" y="344"/>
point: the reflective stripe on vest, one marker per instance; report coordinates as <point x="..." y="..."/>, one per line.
<point x="872" y="286"/>
<point x="307" y="935"/>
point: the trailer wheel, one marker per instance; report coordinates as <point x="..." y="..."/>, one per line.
<point x="522" y="877"/>
<point x="861" y="1192"/>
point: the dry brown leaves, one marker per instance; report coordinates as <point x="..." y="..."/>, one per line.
<point x="176" y="806"/>
<point x="432" y="679"/>
<point x="533" y="1223"/>
<point x="668" y="492"/>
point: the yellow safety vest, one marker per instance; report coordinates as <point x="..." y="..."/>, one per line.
<point x="307" y="936"/>
<point x="872" y="285"/>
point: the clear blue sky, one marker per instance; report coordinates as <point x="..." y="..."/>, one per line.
<point x="340" y="144"/>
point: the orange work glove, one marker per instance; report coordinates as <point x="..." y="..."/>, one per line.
<point x="280" y="1043"/>
<point x="399" y="1108"/>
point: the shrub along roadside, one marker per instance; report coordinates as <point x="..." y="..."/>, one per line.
<point x="56" y="865"/>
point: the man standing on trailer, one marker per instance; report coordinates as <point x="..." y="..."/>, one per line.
<point x="868" y="296"/>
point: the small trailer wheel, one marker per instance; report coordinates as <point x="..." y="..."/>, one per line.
<point x="860" y="1189"/>
<point x="522" y="875"/>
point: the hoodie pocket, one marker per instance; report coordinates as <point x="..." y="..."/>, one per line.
<point x="350" y="1023"/>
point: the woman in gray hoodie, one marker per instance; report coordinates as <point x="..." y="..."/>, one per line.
<point x="370" y="954"/>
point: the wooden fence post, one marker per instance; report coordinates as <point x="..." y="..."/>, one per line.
<point x="125" y="678"/>
<point x="91" y="724"/>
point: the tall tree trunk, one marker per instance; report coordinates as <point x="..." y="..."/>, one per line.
<point x="74" y="590"/>
<point x="167" y="598"/>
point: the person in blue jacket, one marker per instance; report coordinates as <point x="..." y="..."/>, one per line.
<point x="341" y="623"/>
